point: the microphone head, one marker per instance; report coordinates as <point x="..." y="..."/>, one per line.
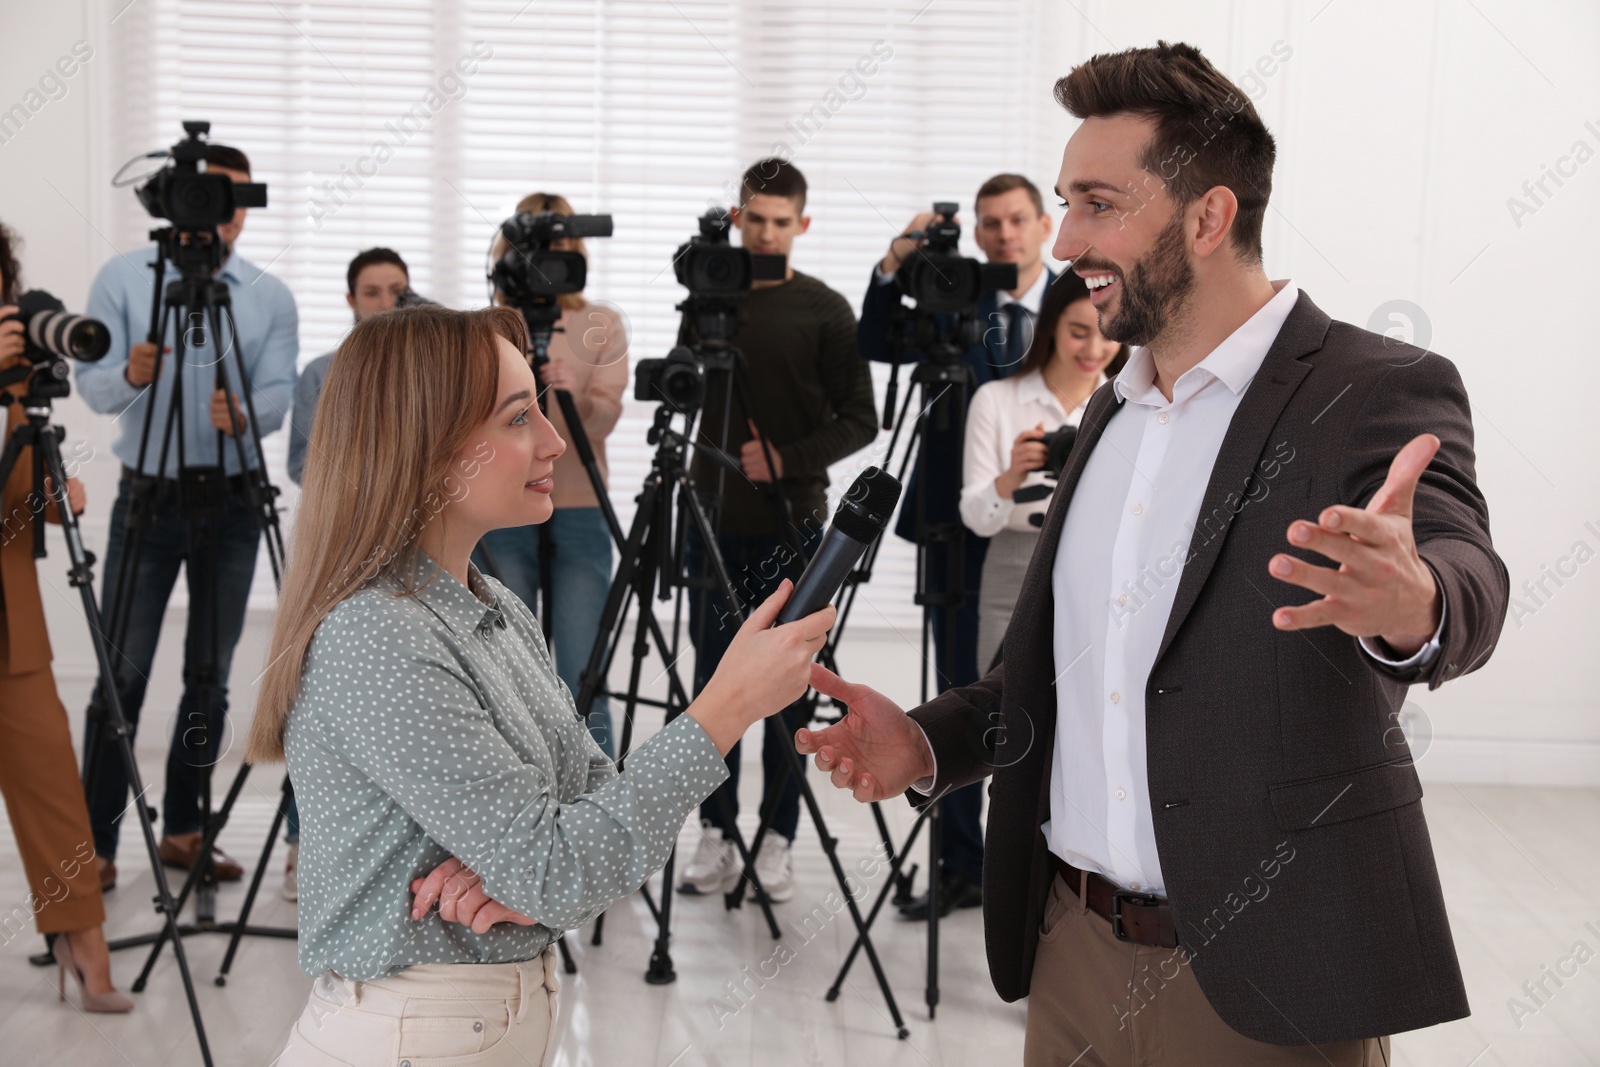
<point x="867" y="505"/>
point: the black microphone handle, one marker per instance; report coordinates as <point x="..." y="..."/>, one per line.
<point x="823" y="576"/>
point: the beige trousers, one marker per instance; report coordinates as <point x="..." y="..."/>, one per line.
<point x="1099" y="1002"/>
<point x="433" y="1015"/>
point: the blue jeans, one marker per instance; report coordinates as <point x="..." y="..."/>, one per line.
<point x="756" y="563"/>
<point x="580" y="580"/>
<point x="219" y="568"/>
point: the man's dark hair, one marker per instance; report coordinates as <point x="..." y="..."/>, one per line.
<point x="9" y="243"/>
<point x="1207" y="130"/>
<point x="221" y="155"/>
<point x="1004" y="183"/>
<point x="366" y="259"/>
<point x="773" y="177"/>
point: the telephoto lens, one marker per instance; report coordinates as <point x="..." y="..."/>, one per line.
<point x="52" y="330"/>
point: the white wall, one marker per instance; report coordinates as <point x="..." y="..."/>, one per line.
<point x="1402" y="128"/>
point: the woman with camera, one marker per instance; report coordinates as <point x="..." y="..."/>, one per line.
<point x="38" y="770"/>
<point x="436" y="755"/>
<point x="589" y="360"/>
<point x="1006" y="448"/>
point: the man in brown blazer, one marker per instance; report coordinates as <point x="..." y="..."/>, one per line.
<point x="1206" y="842"/>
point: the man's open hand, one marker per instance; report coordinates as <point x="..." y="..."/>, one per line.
<point x="1381" y="587"/>
<point x="875" y="751"/>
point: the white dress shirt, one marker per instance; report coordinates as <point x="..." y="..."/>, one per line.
<point x="1000" y="411"/>
<point x="1123" y="545"/>
<point x="1116" y="571"/>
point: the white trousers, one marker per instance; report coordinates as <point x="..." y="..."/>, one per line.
<point x="432" y="1015"/>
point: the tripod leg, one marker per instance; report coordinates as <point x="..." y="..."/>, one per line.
<point x="830" y="849"/>
<point x="82" y="577"/>
<point x="255" y="879"/>
<point x="567" y="963"/>
<point x="895" y="875"/>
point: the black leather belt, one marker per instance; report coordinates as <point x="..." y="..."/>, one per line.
<point x="1138" y="917"/>
<point x="236" y="482"/>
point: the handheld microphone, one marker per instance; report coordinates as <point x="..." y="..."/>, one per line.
<point x="859" y="520"/>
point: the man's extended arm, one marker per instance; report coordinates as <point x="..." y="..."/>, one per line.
<point x="877" y="319"/>
<point x="1450" y="519"/>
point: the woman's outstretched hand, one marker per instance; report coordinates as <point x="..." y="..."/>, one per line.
<point x="875" y="751"/>
<point x="765" y="669"/>
<point x="459" y="891"/>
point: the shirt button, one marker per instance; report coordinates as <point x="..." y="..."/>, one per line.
<point x="1122" y="794"/>
<point x="1116" y="697"/>
<point x="1138" y="509"/>
<point x="1134" y="887"/>
<point x="1162" y="418"/>
<point x="1122" y="599"/>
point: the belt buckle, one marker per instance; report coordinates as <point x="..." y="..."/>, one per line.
<point x="1118" y="897"/>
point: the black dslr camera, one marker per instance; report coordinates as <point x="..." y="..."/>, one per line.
<point x="939" y="278"/>
<point x="708" y="266"/>
<point x="1058" y="446"/>
<point x="679" y="380"/>
<point x="529" y="272"/>
<point x="188" y="197"/>
<point x="51" y="334"/>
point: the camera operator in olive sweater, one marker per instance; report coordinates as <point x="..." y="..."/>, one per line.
<point x="810" y="397"/>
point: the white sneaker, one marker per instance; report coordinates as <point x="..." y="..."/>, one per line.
<point x="291" y="879"/>
<point x="715" y="866"/>
<point x="775" y="867"/>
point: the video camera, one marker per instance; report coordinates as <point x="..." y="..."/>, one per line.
<point x="939" y="278"/>
<point x="707" y="265"/>
<point x="190" y="198"/>
<point x="528" y="271"/>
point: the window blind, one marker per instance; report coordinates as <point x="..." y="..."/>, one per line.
<point x="418" y="124"/>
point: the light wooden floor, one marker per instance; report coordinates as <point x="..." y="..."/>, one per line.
<point x="1521" y="871"/>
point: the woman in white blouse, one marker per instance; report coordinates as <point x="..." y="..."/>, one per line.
<point x="1068" y="360"/>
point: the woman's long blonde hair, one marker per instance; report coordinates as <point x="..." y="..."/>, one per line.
<point x="405" y="391"/>
<point x="533" y="204"/>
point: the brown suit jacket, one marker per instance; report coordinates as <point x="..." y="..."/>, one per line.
<point x="1287" y="808"/>
<point x="27" y="643"/>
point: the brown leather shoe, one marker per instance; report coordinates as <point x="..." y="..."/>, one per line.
<point x="107" y="872"/>
<point x="183" y="851"/>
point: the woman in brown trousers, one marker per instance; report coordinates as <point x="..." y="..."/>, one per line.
<point x="38" y="769"/>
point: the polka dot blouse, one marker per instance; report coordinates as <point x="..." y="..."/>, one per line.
<point x="434" y="725"/>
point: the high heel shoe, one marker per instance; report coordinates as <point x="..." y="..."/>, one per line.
<point x="99" y="1002"/>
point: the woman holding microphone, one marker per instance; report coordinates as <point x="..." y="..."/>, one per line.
<point x="1068" y="360"/>
<point x="433" y="749"/>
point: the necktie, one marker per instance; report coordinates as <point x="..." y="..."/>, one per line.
<point x="1016" y="338"/>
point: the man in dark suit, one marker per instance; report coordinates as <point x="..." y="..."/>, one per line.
<point x="1206" y="840"/>
<point x="1012" y="227"/>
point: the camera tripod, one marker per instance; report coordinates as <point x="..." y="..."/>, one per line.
<point x="542" y="316"/>
<point x="651" y="565"/>
<point x="195" y="305"/>
<point x="943" y="383"/>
